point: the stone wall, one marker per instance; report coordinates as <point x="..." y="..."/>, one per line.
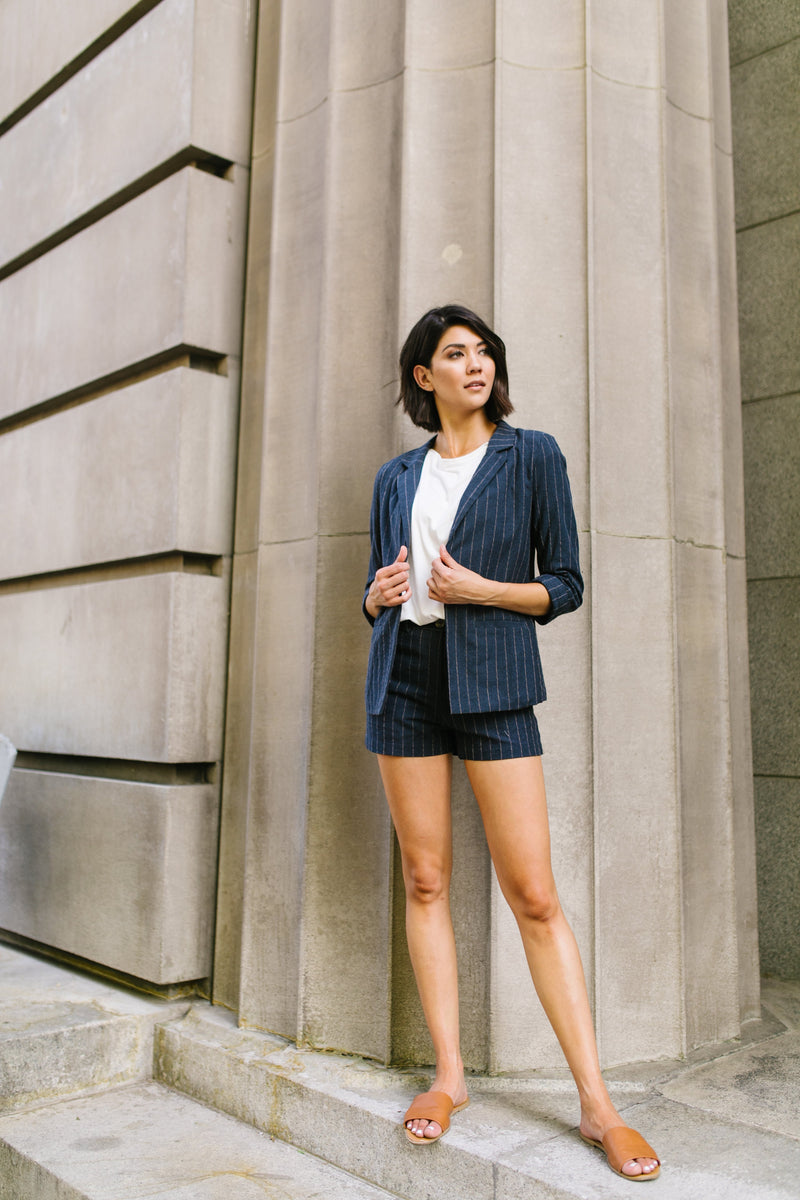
<point x="124" y="161"/>
<point x="765" y="67"/>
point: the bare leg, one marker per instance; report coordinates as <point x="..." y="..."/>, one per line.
<point x="418" y="792"/>
<point x="511" y="797"/>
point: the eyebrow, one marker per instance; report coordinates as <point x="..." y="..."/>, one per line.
<point x="461" y="346"/>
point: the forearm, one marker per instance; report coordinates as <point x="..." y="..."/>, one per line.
<point x="532" y="599"/>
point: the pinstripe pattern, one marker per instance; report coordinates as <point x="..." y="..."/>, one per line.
<point x="416" y="720"/>
<point x="516" y="510"/>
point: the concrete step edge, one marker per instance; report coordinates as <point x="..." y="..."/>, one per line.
<point x="349" y="1113"/>
<point x="145" y="1140"/>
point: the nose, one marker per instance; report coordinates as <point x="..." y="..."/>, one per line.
<point x="474" y="362"/>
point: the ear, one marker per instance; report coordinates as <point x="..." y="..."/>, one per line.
<point x="422" y="377"/>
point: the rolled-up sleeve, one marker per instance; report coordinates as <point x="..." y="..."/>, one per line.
<point x="554" y="530"/>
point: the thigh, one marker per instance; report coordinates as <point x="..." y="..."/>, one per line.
<point x="511" y="797"/>
<point x="418" y="794"/>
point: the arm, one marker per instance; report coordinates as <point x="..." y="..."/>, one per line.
<point x="554" y="530"/>
<point x="558" y="588"/>
<point x="453" y="584"/>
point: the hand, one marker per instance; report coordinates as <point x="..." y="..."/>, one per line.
<point x="451" y="583"/>
<point x="390" y="586"/>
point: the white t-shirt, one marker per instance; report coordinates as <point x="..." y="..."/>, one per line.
<point x="442" y="484"/>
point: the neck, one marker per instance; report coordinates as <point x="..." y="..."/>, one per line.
<point x="455" y="439"/>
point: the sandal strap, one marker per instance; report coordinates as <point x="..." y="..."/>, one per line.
<point x="622" y="1144"/>
<point x="430" y="1106"/>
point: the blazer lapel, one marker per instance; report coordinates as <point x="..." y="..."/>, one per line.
<point x="493" y="460"/>
<point x="405" y="490"/>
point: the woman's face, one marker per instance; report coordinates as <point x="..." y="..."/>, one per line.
<point x="461" y="374"/>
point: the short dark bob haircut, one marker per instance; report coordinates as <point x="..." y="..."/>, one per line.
<point x="418" y="350"/>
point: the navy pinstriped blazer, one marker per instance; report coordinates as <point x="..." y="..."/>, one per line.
<point x="516" y="506"/>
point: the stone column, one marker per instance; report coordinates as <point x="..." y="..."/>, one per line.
<point x="564" y="169"/>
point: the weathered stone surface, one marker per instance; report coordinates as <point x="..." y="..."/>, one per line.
<point x="8" y="754"/>
<point x="276" y="674"/>
<point x="149" y="1141"/>
<point x="447" y="222"/>
<point x="117" y="872"/>
<point x="121" y="668"/>
<point x="759" y="25"/>
<point x="772" y="471"/>
<point x="345" y="809"/>
<point x="687" y="78"/>
<point x="710" y="956"/>
<point x="162" y="272"/>
<point x="638" y="994"/>
<point x="534" y="33"/>
<point x="624" y="40"/>
<point x="143" y="470"/>
<point x="769" y="267"/>
<point x="778" y="836"/>
<point x="305" y="31"/>
<point x="65" y="1032"/>
<point x="540" y="257"/>
<point x="364" y="127"/>
<point x="767" y="145"/>
<point x="45" y="39"/>
<point x="759" y="1086"/>
<point x="180" y="77"/>
<point x="368" y="44"/>
<point x="431" y="45"/>
<point x="720" y="76"/>
<point x="741" y="749"/>
<point x="518" y="1137"/>
<point x="289" y="499"/>
<point x="730" y="382"/>
<point x="774" y="618"/>
<point x="696" y="411"/>
<point x="627" y="316"/>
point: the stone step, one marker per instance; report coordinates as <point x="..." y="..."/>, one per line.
<point x="146" y="1140"/>
<point x="64" y="1033"/>
<point x="517" y="1140"/>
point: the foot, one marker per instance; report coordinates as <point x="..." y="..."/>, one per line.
<point x="453" y="1085"/>
<point x="594" y="1130"/>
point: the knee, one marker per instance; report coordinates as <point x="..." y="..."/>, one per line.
<point x="535" y="904"/>
<point x="425" y="882"/>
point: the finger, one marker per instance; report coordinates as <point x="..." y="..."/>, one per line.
<point x="447" y="557"/>
<point x="395" y="572"/>
<point x="403" y="555"/>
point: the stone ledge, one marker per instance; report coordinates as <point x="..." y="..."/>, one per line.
<point x="64" y="1034"/>
<point x="147" y="1141"/>
<point x="517" y="1139"/>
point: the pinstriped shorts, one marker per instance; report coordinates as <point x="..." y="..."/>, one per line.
<point x="416" y="721"/>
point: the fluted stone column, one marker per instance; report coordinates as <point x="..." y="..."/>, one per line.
<point x="564" y="169"/>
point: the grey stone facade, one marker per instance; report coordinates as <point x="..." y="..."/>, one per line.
<point x="224" y="216"/>
<point x="765" y="61"/>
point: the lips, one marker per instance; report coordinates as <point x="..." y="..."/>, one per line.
<point x="476" y="385"/>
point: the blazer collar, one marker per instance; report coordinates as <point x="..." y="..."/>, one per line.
<point x="501" y="440"/>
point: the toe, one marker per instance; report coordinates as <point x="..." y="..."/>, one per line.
<point x="639" y="1166"/>
<point x="422" y="1128"/>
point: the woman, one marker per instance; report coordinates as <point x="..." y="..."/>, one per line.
<point x="454" y="668"/>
